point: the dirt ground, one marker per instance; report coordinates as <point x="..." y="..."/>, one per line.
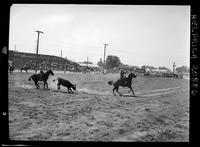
<point x="93" y="113"/>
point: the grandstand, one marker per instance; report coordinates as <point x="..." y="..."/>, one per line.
<point x="22" y="59"/>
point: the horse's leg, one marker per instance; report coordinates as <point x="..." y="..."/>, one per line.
<point x="36" y="83"/>
<point x="37" y="86"/>
<point x="132" y="90"/>
<point x="117" y="88"/>
<point x="44" y="85"/>
<point x="68" y="90"/>
<point x="114" y="91"/>
<point x="58" y="86"/>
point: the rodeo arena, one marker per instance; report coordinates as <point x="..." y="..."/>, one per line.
<point x="52" y="98"/>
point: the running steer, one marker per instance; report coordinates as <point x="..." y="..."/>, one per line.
<point x="65" y="83"/>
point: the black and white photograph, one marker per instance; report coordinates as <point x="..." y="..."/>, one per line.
<point x="90" y="73"/>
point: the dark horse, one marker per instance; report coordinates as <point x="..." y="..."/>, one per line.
<point x="41" y="77"/>
<point x="124" y="82"/>
<point x="26" y="68"/>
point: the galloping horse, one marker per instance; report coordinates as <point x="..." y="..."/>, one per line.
<point x="124" y="82"/>
<point x="25" y="68"/>
<point x="41" y="77"/>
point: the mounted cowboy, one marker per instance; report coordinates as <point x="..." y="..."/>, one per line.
<point x="10" y="66"/>
<point x="41" y="77"/>
<point x="123" y="82"/>
<point x="122" y="74"/>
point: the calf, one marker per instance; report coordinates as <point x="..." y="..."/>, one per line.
<point x="65" y="83"/>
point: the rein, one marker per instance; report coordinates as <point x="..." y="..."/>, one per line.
<point x="46" y="74"/>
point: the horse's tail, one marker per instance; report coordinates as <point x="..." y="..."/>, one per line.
<point x="30" y="78"/>
<point x="110" y="82"/>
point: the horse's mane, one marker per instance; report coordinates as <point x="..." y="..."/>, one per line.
<point x="130" y="76"/>
<point x="48" y="71"/>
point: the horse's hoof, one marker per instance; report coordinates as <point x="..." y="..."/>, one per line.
<point x="120" y="94"/>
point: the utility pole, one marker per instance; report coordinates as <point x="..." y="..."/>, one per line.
<point x="37" y="49"/>
<point x="15" y="47"/>
<point x="61" y="54"/>
<point x="87" y="63"/>
<point x="104" y="56"/>
<point x="174" y="65"/>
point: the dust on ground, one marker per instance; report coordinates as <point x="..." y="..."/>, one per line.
<point x="160" y="114"/>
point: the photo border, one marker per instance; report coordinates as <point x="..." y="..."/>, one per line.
<point x="194" y="67"/>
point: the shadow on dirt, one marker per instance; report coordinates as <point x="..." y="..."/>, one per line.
<point x="136" y="96"/>
<point x="128" y="95"/>
<point x="63" y="92"/>
<point x="42" y="89"/>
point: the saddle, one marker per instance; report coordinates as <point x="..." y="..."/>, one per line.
<point x="124" y="80"/>
<point x="41" y="75"/>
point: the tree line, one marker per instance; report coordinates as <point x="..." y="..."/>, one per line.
<point x="112" y="62"/>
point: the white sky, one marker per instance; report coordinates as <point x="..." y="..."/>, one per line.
<point x="138" y="35"/>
